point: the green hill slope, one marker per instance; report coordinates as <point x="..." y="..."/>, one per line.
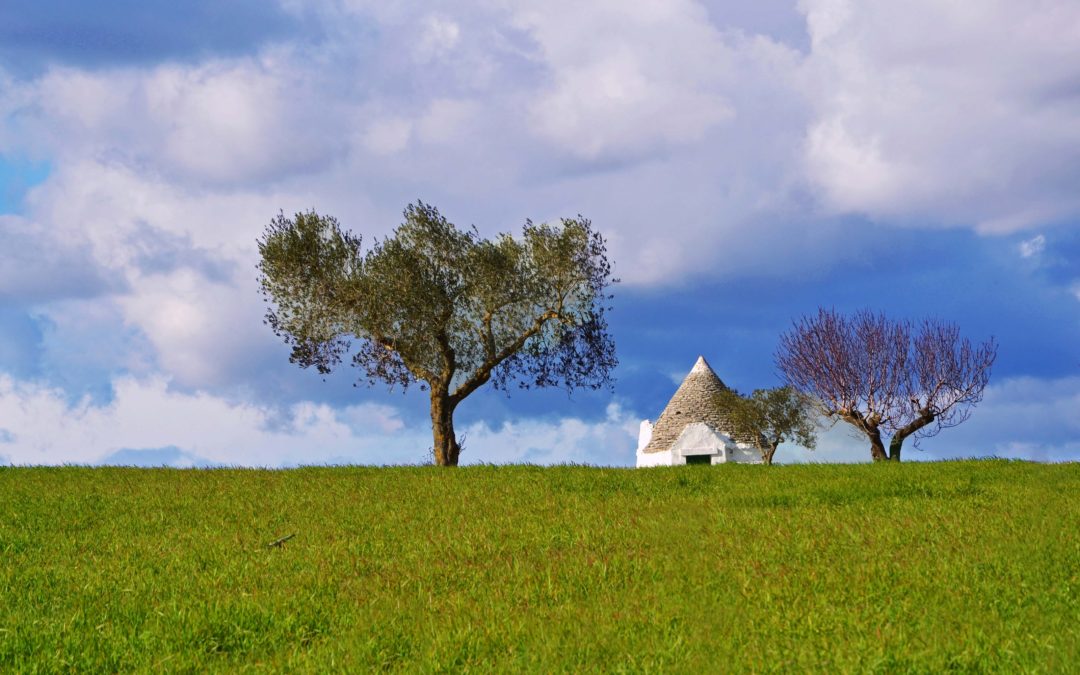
<point x="969" y="566"/>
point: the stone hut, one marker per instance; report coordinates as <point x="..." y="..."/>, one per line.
<point x="691" y="429"/>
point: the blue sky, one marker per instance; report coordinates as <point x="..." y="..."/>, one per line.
<point x="748" y="163"/>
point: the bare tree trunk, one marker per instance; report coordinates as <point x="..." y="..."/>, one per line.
<point x="872" y="431"/>
<point x="898" y="438"/>
<point x="877" y="448"/>
<point x="446" y="448"/>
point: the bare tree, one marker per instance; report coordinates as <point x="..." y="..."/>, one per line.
<point x="883" y="377"/>
<point x="948" y="377"/>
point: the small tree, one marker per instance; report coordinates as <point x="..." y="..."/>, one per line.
<point x="770" y="417"/>
<point x="883" y="376"/>
<point x="439" y="305"/>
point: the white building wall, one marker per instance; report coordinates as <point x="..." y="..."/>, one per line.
<point x="664" y="458"/>
<point x="697" y="439"/>
<point x="644" y="435"/>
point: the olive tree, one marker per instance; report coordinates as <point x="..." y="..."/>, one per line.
<point x="442" y="306"/>
<point x="884" y="376"/>
<point x="769" y="417"/>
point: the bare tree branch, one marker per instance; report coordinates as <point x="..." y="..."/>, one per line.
<point x="881" y="376"/>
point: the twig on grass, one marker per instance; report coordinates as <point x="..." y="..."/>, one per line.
<point x="280" y="543"/>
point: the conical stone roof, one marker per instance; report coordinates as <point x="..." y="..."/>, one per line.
<point x="692" y="402"/>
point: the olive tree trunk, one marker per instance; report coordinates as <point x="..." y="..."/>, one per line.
<point x="446" y="446"/>
<point x="768" y="451"/>
<point x="769" y="454"/>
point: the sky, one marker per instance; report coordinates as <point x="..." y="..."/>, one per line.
<point x="748" y="162"/>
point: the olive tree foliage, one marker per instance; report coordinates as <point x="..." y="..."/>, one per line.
<point x="442" y="306"/>
<point x="884" y="376"/>
<point x="770" y="417"/>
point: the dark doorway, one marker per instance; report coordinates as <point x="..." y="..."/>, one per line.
<point x="699" y="459"/>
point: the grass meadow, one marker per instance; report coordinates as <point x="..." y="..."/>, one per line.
<point x="911" y="568"/>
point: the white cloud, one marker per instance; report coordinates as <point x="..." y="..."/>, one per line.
<point x="221" y="122"/>
<point x="1021" y="414"/>
<point x="950" y="113"/>
<point x="838" y="158"/>
<point x="36" y="266"/>
<point x="106" y="204"/>
<point x="1032" y="248"/>
<point x="45" y="429"/>
<point x="557" y="112"/>
<point x="438" y="36"/>
<point x="446" y="120"/>
<point x="387" y="136"/>
<point x="1021" y="418"/>
<point x="569" y="440"/>
<point x="204" y="333"/>
<point x="633" y="114"/>
<point x="628" y="78"/>
<point x="180" y="264"/>
<point x="42" y="427"/>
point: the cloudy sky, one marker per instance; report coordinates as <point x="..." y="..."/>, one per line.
<point x="747" y="161"/>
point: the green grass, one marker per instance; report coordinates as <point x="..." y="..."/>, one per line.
<point x="958" y="566"/>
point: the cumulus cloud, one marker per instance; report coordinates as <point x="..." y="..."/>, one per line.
<point x="221" y="122"/>
<point x="146" y="422"/>
<point x="945" y="113"/>
<point x="202" y="331"/>
<point x="388" y="135"/>
<point x="627" y="78"/>
<point x="47" y="429"/>
<point x="1021" y="418"/>
<point x="609" y="442"/>
<point x="180" y="265"/>
<point x="38" y="266"/>
<point x="662" y="112"/>
<point x="556" y="112"/>
<point x="559" y="112"/>
<point x="127" y="218"/>
<point x="439" y="35"/>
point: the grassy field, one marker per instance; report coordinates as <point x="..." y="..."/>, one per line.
<point x="959" y="566"/>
